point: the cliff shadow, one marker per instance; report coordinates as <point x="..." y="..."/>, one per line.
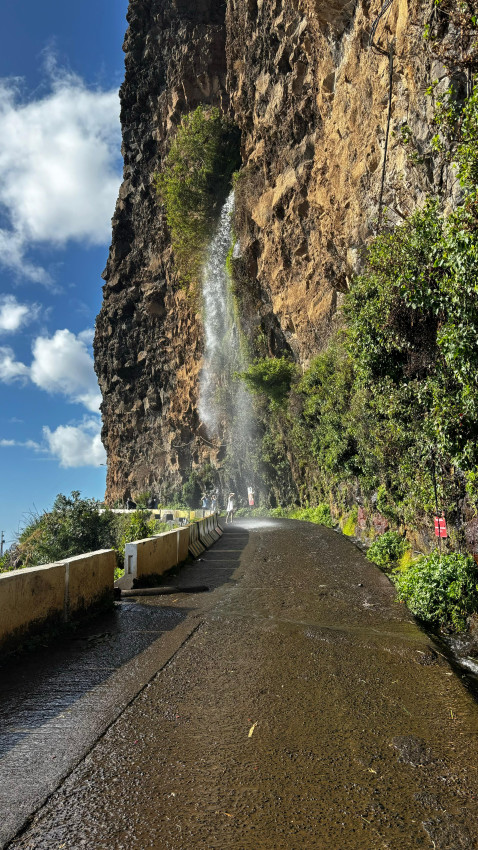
<point x="40" y="684"/>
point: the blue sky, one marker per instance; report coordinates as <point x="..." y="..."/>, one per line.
<point x="61" y="65"/>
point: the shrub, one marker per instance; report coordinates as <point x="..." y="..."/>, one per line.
<point x="350" y="525"/>
<point x="191" y="491"/>
<point x="135" y="526"/>
<point x="441" y="589"/>
<point x="271" y="378"/>
<point x="387" y="549"/>
<point x="406" y="560"/>
<point x="325" y="391"/>
<point x="278" y="513"/>
<point x="320" y="515"/>
<point x="73" y="526"/>
<point x="195" y="182"/>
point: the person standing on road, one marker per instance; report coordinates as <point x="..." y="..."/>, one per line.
<point x="231" y="507"/>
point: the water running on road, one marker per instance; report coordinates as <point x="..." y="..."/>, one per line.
<point x="306" y="710"/>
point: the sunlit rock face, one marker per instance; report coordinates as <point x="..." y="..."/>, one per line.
<point x="311" y="100"/>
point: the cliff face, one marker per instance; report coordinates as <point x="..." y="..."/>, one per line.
<point x="311" y="100"/>
<point x="148" y="339"/>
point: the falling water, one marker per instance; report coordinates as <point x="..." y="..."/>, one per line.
<point x="222" y="355"/>
<point x="217" y="309"/>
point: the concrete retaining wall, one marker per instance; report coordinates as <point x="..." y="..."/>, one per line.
<point x="156" y="555"/>
<point x="52" y="593"/>
<point x="152" y="556"/>
<point x="183" y="544"/>
<point x="90" y="579"/>
<point x="56" y="592"/>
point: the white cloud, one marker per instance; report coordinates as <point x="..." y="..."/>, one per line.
<point x="87" y="336"/>
<point x="12" y="249"/>
<point x="10" y="368"/>
<point x="59" y="174"/>
<point x="14" y="315"/>
<point x="25" y="444"/>
<point x="77" y="445"/>
<point x="71" y="445"/>
<point x="62" y="364"/>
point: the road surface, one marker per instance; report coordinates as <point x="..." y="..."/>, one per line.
<point x="296" y="706"/>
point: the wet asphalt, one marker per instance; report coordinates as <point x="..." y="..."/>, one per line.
<point x="295" y="705"/>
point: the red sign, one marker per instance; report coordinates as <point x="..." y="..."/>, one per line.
<point x="440" y="527"/>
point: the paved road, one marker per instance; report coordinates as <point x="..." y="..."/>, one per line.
<point x="300" y="707"/>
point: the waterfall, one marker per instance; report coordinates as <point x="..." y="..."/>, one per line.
<point x="225" y="405"/>
<point x="222" y="354"/>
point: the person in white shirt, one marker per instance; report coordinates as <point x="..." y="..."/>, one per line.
<point x="231" y="507"/>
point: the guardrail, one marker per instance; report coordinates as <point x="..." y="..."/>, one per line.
<point x="156" y="555"/>
<point x="162" y="513"/>
<point x="33" y="597"/>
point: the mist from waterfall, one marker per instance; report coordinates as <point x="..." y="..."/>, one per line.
<point x="223" y="401"/>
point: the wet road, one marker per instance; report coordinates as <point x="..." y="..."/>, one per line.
<point x="297" y="705"/>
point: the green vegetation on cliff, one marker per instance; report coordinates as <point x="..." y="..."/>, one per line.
<point x="387" y="550"/>
<point x="391" y="406"/>
<point x="270" y="377"/>
<point x="194" y="183"/>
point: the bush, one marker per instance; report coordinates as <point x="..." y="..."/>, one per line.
<point x="278" y="513"/>
<point x="191" y="491"/>
<point x="135" y="526"/>
<point x="387" y="550"/>
<point x="195" y="182"/>
<point x="73" y="526"/>
<point x="325" y="391"/>
<point x="441" y="589"/>
<point x="350" y="525"/>
<point x="320" y="515"/>
<point x="270" y="377"/>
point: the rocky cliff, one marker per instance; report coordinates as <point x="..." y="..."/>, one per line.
<point x="148" y="337"/>
<point x="313" y="101"/>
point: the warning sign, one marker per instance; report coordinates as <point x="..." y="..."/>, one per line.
<point x="440" y="527"/>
